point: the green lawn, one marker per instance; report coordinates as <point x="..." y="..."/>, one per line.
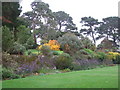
<point x="106" y="77"/>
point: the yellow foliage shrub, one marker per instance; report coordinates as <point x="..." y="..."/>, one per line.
<point x="54" y="45"/>
<point x="112" y="55"/>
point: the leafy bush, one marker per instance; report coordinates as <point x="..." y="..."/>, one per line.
<point x="70" y="43"/>
<point x="117" y="61"/>
<point x="17" y="49"/>
<point x="55" y="53"/>
<point x="28" y="67"/>
<point x="30" y="43"/>
<point x="23" y="34"/>
<point x="85" y="64"/>
<point x="101" y="56"/>
<point x="9" y="74"/>
<point x="7" y="39"/>
<point x="53" y="44"/>
<point x="89" y="51"/>
<point x="29" y="52"/>
<point x="45" y="50"/>
<point x="81" y="55"/>
<point x="63" y="61"/>
<point x="8" y="61"/>
<point x="66" y="70"/>
<point x="112" y="55"/>
<point x="88" y="43"/>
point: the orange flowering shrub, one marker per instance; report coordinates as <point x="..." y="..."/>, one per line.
<point x="54" y="45"/>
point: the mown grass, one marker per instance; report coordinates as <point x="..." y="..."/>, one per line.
<point x="106" y="77"/>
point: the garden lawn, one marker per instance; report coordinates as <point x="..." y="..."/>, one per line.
<point x="106" y="77"/>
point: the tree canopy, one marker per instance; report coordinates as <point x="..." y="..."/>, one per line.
<point x="64" y="20"/>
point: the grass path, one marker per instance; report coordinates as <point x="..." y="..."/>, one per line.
<point x="106" y="77"/>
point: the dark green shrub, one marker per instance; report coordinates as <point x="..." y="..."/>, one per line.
<point x="29" y="52"/>
<point x="45" y="50"/>
<point x="63" y="61"/>
<point x="8" y="61"/>
<point x="23" y="34"/>
<point x="101" y="56"/>
<point x="66" y="70"/>
<point x="88" y="43"/>
<point x="30" y="44"/>
<point x="17" y="49"/>
<point x="55" y="53"/>
<point x="9" y="74"/>
<point x="7" y="39"/>
<point x="81" y="55"/>
<point x="117" y="60"/>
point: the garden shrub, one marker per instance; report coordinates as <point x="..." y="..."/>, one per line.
<point x="55" y="53"/>
<point x="114" y="56"/>
<point x="117" y="60"/>
<point x="45" y="50"/>
<point x="47" y="62"/>
<point x="89" y="51"/>
<point x="8" y="61"/>
<point x="85" y="64"/>
<point x="17" y="49"/>
<point x="9" y="74"/>
<point x="63" y="61"/>
<point x="23" y="34"/>
<point x="101" y="56"/>
<point x="7" y="39"/>
<point x="45" y="70"/>
<point x="28" y="67"/>
<point x="29" y="52"/>
<point x="30" y="44"/>
<point x="87" y="43"/>
<point x="70" y="43"/>
<point x="66" y="70"/>
<point x="53" y="44"/>
<point x="20" y="63"/>
<point x="81" y="55"/>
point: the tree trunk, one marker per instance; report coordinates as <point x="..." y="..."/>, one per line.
<point x="34" y="34"/>
<point x="92" y="33"/>
<point x="60" y="27"/>
<point x="93" y="38"/>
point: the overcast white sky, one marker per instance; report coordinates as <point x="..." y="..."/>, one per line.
<point x="80" y="8"/>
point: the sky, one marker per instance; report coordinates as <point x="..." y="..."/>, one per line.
<point x="77" y="9"/>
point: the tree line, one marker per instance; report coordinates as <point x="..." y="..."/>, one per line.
<point x="43" y="23"/>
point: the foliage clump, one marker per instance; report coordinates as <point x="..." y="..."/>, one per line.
<point x="63" y="61"/>
<point x="70" y="43"/>
<point x="17" y="48"/>
<point x="45" y="50"/>
<point x="53" y="44"/>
